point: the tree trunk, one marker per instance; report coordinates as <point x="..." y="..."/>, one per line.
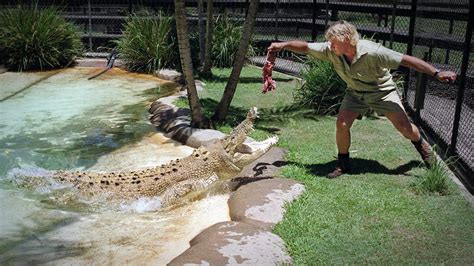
<point x="206" y="69"/>
<point x="197" y="119"/>
<point x="239" y="60"/>
<point x="202" y="32"/>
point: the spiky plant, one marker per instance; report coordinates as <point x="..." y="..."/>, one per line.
<point x="322" y="89"/>
<point x="436" y="178"/>
<point x="149" y="42"/>
<point x="33" y="38"/>
<point x="227" y="35"/>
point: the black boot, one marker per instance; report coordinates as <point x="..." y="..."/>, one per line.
<point x="424" y="150"/>
<point x="342" y="167"/>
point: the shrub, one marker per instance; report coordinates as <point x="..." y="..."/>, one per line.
<point x="322" y="88"/>
<point x="149" y="42"/>
<point x="435" y="179"/>
<point x="227" y="35"/>
<point x="33" y="38"/>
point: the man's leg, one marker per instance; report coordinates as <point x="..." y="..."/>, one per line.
<point x="410" y="131"/>
<point x="344" y="122"/>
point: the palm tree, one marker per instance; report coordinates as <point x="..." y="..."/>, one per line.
<point x="201" y="30"/>
<point x="197" y="118"/>
<point x="206" y="69"/>
<point x="239" y="60"/>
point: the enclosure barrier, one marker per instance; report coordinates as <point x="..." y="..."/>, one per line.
<point x="438" y="30"/>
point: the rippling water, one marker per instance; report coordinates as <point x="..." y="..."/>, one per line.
<point x="65" y="121"/>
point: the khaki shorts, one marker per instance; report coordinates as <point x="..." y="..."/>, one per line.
<point x="379" y="101"/>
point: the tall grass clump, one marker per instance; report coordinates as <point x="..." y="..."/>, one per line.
<point x="322" y="89"/>
<point x="435" y="179"/>
<point x="33" y="38"/>
<point x="227" y="35"/>
<point x="149" y="42"/>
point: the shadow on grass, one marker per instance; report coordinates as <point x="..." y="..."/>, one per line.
<point x="224" y="79"/>
<point x="281" y="114"/>
<point x="363" y="166"/>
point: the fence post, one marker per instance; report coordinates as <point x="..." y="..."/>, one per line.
<point x="462" y="81"/>
<point x="89" y="11"/>
<point x="392" y="27"/>
<point x="411" y="41"/>
<point x="326" y="18"/>
<point x="420" y="94"/>
<point x="313" y="29"/>
<point x="451" y="27"/>
<point x="276" y="18"/>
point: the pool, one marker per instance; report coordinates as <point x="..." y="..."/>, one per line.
<point x="61" y="120"/>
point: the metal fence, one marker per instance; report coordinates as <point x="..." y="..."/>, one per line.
<point x="438" y="30"/>
<point x="442" y="35"/>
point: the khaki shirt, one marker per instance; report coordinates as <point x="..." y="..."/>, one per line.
<point x="370" y="69"/>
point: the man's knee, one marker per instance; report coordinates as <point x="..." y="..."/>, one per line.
<point x="343" y="124"/>
<point x="408" y="130"/>
<point x="345" y="119"/>
<point x="412" y="131"/>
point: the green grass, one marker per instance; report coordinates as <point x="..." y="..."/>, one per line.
<point x="435" y="179"/>
<point x="372" y="216"/>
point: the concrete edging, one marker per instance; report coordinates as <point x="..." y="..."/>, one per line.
<point x="256" y="204"/>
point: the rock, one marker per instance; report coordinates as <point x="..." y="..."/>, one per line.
<point x="201" y="136"/>
<point x="266" y="166"/>
<point x="231" y="243"/>
<point x="261" y="203"/>
<point x="200" y="85"/>
<point x="169" y="74"/>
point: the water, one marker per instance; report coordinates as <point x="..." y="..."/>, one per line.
<point x="65" y="121"/>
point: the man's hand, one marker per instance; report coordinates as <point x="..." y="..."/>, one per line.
<point x="446" y="76"/>
<point x="276" y="47"/>
<point x="300" y="47"/>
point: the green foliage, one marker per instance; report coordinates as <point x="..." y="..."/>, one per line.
<point x="322" y="89"/>
<point x="435" y="179"/>
<point x="227" y="35"/>
<point x="33" y="38"/>
<point x="149" y="42"/>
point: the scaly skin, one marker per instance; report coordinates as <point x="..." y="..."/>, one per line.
<point x="219" y="160"/>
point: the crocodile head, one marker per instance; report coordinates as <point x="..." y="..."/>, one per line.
<point x="231" y="142"/>
<point x="237" y="149"/>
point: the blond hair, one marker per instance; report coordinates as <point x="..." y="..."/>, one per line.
<point x="342" y="31"/>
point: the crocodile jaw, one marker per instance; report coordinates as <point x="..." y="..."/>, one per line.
<point x="239" y="134"/>
<point x="249" y="152"/>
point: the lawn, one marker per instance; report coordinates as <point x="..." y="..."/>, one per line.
<point x="371" y="216"/>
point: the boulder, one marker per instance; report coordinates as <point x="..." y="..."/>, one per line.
<point x="261" y="203"/>
<point x="232" y="243"/>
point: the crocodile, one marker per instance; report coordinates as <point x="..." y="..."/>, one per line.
<point x="220" y="159"/>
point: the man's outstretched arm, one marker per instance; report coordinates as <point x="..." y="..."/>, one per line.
<point x="300" y="47"/>
<point x="423" y="67"/>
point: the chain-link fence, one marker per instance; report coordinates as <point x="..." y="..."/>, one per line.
<point x="438" y="30"/>
<point x="442" y="35"/>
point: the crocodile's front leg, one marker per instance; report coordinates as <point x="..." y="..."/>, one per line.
<point x="179" y="190"/>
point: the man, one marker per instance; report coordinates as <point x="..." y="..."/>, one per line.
<point x="365" y="67"/>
